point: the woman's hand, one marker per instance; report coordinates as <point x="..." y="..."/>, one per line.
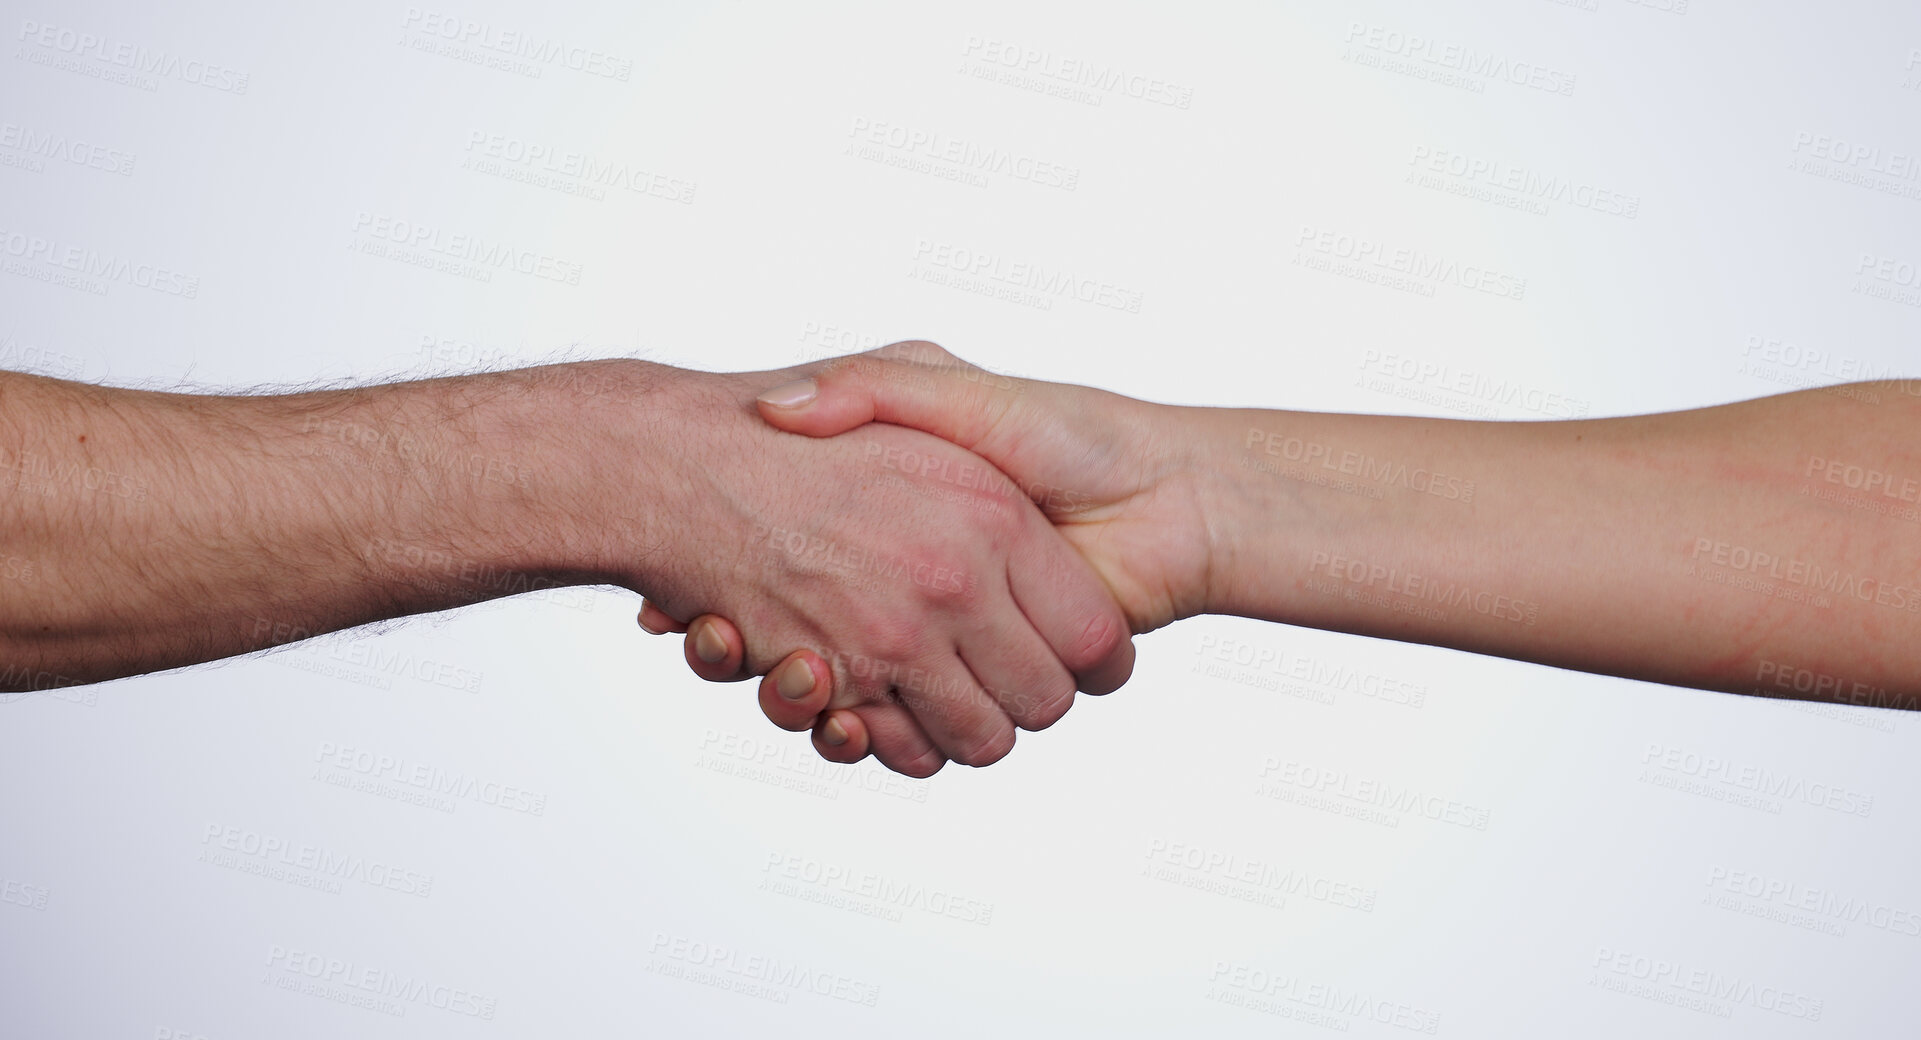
<point x="944" y="608"/>
<point x="1117" y="476"/>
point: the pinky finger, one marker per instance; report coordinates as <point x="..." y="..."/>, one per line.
<point x="841" y="737"/>
<point x="715" y="649"/>
<point x="656" y="622"/>
<point x="894" y="736"/>
<point x="796" y="691"/>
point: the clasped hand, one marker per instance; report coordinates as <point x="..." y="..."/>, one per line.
<point x="937" y="592"/>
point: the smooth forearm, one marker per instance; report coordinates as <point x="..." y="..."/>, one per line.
<point x="1702" y="548"/>
<point x="154" y="530"/>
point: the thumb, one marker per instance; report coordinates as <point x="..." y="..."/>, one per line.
<point x="915" y="384"/>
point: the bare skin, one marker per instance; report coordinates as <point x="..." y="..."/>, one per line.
<point x="142" y="531"/>
<point x="1768" y="547"/>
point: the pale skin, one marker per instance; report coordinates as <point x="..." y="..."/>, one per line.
<point x="1768" y="547"/>
<point x="142" y="531"/>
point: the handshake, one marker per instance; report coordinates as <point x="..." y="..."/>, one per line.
<point x="955" y="553"/>
<point x="923" y="558"/>
<point x="963" y="553"/>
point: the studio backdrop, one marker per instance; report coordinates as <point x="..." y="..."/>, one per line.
<point x="525" y="818"/>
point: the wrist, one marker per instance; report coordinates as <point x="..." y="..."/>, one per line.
<point x="620" y="437"/>
<point x="1200" y="517"/>
<point x="1271" y="497"/>
<point x="1230" y="506"/>
<point x="665" y="458"/>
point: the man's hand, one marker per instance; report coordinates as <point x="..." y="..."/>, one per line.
<point x="146" y="530"/>
<point x="948" y="609"/>
<point x="1114" y="474"/>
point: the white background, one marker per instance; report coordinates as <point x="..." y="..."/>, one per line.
<point x="1156" y="863"/>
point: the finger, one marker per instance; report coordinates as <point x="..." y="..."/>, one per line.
<point x="1071" y="608"/>
<point x="841" y="737"/>
<point x="963" y="720"/>
<point x="1019" y="672"/>
<point x="897" y="740"/>
<point x="656" y="622"/>
<point x="715" y="649"/>
<point x="1018" y="669"/>
<point x="795" y="692"/>
<point x="914" y="383"/>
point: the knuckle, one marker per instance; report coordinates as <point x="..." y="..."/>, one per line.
<point x="916" y="351"/>
<point x="843" y="754"/>
<point x="986" y="750"/>
<point x="1101" y="636"/>
<point x="892" y="638"/>
<point x="935" y="707"/>
<point x="922" y="765"/>
<point x="950" y="587"/>
<point x="791" y="717"/>
<point x="1041" y="709"/>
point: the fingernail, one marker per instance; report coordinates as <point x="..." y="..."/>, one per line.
<point x="791" y="395"/>
<point x="832" y="734"/>
<point x="709" y="646"/>
<point x="649" y="629"/>
<point x="796" y="680"/>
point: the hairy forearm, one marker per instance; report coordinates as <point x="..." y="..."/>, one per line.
<point x="1770" y="546"/>
<point x="141" y="530"/>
